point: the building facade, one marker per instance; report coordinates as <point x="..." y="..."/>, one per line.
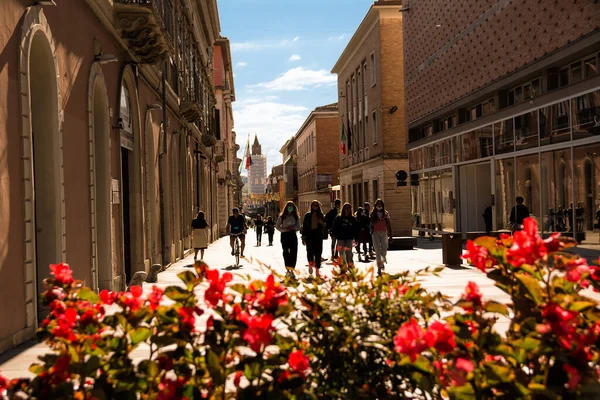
<point x="275" y="188"/>
<point x="107" y="139"/>
<point x="371" y="108"/>
<point x="317" y="169"/>
<point x="257" y="173"/>
<point x="226" y="148"/>
<point x="496" y="114"/>
<point x="290" y="171"/>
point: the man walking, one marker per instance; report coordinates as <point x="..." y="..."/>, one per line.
<point x="518" y="213"/>
<point x="367" y="211"/>
<point x="329" y="218"/>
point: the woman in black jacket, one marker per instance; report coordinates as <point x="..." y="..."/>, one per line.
<point x="258" y="226"/>
<point x="312" y="230"/>
<point x="345" y="231"/>
<point x="270" y="229"/>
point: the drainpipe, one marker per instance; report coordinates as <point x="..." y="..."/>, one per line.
<point x="161" y="167"/>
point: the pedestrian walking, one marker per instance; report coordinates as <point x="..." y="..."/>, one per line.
<point x="518" y="213"/>
<point x="270" y="229"/>
<point x="199" y="235"/>
<point x="382" y="233"/>
<point x="345" y="231"/>
<point x="367" y="208"/>
<point x="288" y="224"/>
<point x="364" y="233"/>
<point x="313" y="227"/>
<point x="329" y="219"/>
<point x="258" y="227"/>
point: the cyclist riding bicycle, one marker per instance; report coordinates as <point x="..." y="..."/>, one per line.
<point x="236" y="226"/>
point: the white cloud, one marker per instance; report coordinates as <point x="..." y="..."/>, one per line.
<point x="296" y="38"/>
<point x="295" y="57"/>
<point x="241" y="64"/>
<point x="272" y="121"/>
<point x="340" y="37"/>
<point x="299" y="78"/>
<point x="257" y="45"/>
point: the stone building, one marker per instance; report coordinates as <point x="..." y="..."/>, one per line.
<point x="371" y="106"/>
<point x="107" y="135"/>
<point x="496" y="113"/>
<point x="275" y="188"/>
<point x="257" y="173"/>
<point x="290" y="171"/>
<point x="316" y="139"/>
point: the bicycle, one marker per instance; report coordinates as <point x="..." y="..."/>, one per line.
<point x="236" y="247"/>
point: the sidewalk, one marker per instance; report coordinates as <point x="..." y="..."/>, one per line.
<point x="15" y="363"/>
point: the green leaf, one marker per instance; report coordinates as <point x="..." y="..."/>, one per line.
<point x="539" y="389"/>
<point x="252" y="371"/>
<point x="532" y="287"/>
<point x="177" y="293"/>
<point x="88" y="294"/>
<point x="464" y="392"/>
<point x="495" y="307"/>
<point x="213" y="363"/>
<point x="497" y="374"/>
<point x="580" y="306"/>
<point x="527" y="343"/>
<point x="36" y="369"/>
<point x="139" y="335"/>
<point x="189" y="278"/>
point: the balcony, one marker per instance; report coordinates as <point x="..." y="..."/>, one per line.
<point x="190" y="106"/>
<point x="147" y="27"/>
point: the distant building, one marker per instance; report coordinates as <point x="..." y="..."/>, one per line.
<point x="275" y="191"/>
<point x="371" y="106"/>
<point x="316" y="140"/>
<point x="257" y="174"/>
<point x="290" y="171"/>
<point x="495" y="114"/>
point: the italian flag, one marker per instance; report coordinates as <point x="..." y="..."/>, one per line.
<point x="343" y="140"/>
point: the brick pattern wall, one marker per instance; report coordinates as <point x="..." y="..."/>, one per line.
<point x="479" y="41"/>
<point x="328" y="144"/>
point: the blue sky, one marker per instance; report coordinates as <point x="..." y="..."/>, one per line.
<point x="283" y="52"/>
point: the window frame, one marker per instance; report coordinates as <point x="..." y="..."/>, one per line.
<point x="373" y="69"/>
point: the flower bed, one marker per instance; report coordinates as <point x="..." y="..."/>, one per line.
<point x="353" y="336"/>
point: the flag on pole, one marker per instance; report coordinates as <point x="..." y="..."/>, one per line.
<point x="349" y="136"/>
<point x="343" y="140"/>
<point x="248" y="155"/>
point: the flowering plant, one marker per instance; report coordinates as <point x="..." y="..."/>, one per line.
<point x="353" y="336"/>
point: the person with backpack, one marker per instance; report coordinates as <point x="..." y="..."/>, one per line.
<point x="382" y="233"/>
<point x="364" y="233"/>
<point x="312" y="230"/>
<point x="329" y="218"/>
<point x="345" y="231"/>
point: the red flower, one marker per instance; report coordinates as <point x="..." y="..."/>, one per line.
<point x="168" y="389"/>
<point x="472" y="295"/>
<point x="562" y="323"/>
<point x="108" y="298"/>
<point x="458" y="375"/>
<point x="65" y="324"/>
<point x="410" y="339"/>
<point x="273" y="295"/>
<point x="237" y="378"/>
<point x="576" y="267"/>
<point x="298" y="363"/>
<point x="188" y="320"/>
<point x="553" y="243"/>
<point x="165" y="363"/>
<point x="155" y="297"/>
<point x="479" y="256"/>
<point x="528" y="246"/>
<point x="133" y="298"/>
<point x="63" y="275"/>
<point x="258" y="333"/>
<point x="574" y="376"/>
<point x="464" y="365"/>
<point x="285" y="375"/>
<point x="440" y="336"/>
<point x="214" y="293"/>
<point x="3" y="384"/>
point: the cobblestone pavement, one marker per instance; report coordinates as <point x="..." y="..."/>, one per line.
<point x="451" y="282"/>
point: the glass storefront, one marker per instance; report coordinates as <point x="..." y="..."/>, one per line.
<point x="560" y="185"/>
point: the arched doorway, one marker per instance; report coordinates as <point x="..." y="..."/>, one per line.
<point x="46" y="167"/>
<point x="100" y="185"/>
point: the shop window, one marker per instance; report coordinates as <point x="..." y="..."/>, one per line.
<point x="526" y="131"/>
<point x="504" y="136"/>
<point x="590" y="67"/>
<point x="555" y="125"/>
<point x="586" y="115"/>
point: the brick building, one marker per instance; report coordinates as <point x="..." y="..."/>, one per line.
<point x="494" y="113"/>
<point x="290" y="171"/>
<point x="371" y="104"/>
<point x="107" y="135"/>
<point x="316" y="139"/>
